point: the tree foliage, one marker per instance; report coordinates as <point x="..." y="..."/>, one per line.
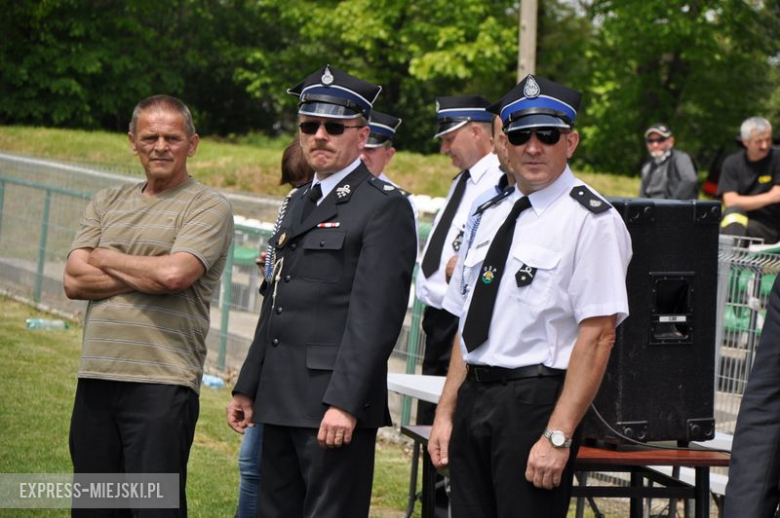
<point x="700" y="65"/>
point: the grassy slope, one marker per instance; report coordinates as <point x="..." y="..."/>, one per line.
<point x="252" y="166"/>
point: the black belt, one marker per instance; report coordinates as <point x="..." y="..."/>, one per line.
<point x="487" y="374"/>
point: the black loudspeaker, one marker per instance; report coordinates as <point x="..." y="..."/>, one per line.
<point x="659" y="384"/>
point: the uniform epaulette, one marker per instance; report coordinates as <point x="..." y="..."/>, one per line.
<point x="386" y="187"/>
<point x="495" y="199"/>
<point x="589" y="200"/>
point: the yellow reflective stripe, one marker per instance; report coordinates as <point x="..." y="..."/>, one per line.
<point x="739" y="219"/>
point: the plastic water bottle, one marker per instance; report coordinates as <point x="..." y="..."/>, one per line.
<point x="46" y="324"/>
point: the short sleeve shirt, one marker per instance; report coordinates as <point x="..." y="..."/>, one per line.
<point x="580" y="260"/>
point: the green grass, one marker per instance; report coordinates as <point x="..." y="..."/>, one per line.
<point x="248" y="164"/>
<point x="37" y="383"/>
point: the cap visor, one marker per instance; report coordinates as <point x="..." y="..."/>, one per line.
<point x="331" y="111"/>
<point x="538" y="120"/>
<point x="449" y="126"/>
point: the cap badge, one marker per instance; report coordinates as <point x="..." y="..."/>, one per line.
<point x="488" y="274"/>
<point x="342" y="191"/>
<point x="327" y="77"/>
<point x="595" y="203"/>
<point x="531" y="88"/>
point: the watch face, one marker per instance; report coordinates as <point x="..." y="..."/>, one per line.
<point x="558" y="439"/>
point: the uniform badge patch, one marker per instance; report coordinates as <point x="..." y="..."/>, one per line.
<point x="327" y="77"/>
<point x="488" y="274"/>
<point x="388" y="187"/>
<point x="531" y="88"/>
<point x="525" y="275"/>
<point x="329" y="224"/>
<point x="343" y="190"/>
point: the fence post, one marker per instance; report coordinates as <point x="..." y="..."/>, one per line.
<point x="2" y="200"/>
<point x="42" y="247"/>
<point x="227" y="294"/>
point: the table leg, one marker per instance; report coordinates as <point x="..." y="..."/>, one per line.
<point x="413" y="481"/>
<point x="702" y="492"/>
<point x="429" y="486"/>
<point x="636" y="510"/>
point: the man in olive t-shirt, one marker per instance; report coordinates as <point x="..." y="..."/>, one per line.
<point x="147" y="257"/>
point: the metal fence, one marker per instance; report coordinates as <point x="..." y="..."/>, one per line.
<point x="41" y="203"/>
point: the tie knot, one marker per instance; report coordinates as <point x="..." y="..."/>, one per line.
<point x="315" y="193"/>
<point x="519" y="206"/>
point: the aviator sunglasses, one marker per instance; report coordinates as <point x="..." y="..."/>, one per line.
<point x="656" y="140"/>
<point x="548" y="136"/>
<point x="333" y="128"/>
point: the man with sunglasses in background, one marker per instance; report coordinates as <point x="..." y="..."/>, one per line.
<point x="539" y="293"/>
<point x="669" y="173"/>
<point x="316" y="373"/>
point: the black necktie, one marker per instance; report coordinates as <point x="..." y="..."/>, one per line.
<point x="432" y="257"/>
<point x="475" y="330"/>
<point x="310" y="201"/>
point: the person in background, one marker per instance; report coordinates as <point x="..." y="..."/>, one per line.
<point x="538" y="294"/>
<point x="148" y="257"/>
<point x="316" y="373"/>
<point x="749" y="185"/>
<point x="295" y="172"/>
<point x="464" y="127"/>
<point x="669" y="173"/>
<point x="379" y="149"/>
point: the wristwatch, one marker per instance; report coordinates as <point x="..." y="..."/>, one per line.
<point x="557" y="438"/>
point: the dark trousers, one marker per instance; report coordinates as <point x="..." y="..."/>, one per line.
<point x="754" y="228"/>
<point x="754" y="473"/>
<point x="302" y="480"/>
<point x="120" y="427"/>
<point x="494" y="427"/>
<point x="440" y="327"/>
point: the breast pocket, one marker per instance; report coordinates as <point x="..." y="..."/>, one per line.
<point x="323" y="253"/>
<point x="471" y="267"/>
<point x="533" y="273"/>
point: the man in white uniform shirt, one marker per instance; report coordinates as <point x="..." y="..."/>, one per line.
<point x="464" y="127"/>
<point x="539" y="293"/>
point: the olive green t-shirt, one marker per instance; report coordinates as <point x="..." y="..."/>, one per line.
<point x="154" y="338"/>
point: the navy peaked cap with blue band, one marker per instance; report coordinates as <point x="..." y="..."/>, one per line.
<point x="537" y="102"/>
<point x="456" y="111"/>
<point x="383" y="128"/>
<point x="331" y="93"/>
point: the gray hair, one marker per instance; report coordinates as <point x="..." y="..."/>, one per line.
<point x="163" y="102"/>
<point x="754" y="124"/>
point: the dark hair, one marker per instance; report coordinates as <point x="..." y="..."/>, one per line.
<point x="162" y="102"/>
<point x="295" y="169"/>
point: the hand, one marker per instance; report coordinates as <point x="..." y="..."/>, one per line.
<point x="336" y="428"/>
<point x="98" y="256"/>
<point x="239" y="413"/>
<point x="439" y="441"/>
<point x="546" y="464"/>
<point x="450" y="267"/>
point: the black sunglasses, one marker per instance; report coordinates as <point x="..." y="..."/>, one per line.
<point x="333" y="128"/>
<point x="548" y="136"/>
<point x="655" y="140"/>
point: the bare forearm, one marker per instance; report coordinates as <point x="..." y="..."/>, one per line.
<point x="455" y="376"/>
<point x="152" y="275"/>
<point x="586" y="369"/>
<point x="82" y="281"/>
<point x="754" y="202"/>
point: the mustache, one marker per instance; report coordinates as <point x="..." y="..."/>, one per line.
<point x="320" y="146"/>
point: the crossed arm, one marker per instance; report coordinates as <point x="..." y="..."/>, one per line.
<point x="100" y="273"/>
<point x="752" y="202"/>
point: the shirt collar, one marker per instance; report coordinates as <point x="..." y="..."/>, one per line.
<point x="483" y="165"/>
<point x="543" y="198"/>
<point x="330" y="183"/>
